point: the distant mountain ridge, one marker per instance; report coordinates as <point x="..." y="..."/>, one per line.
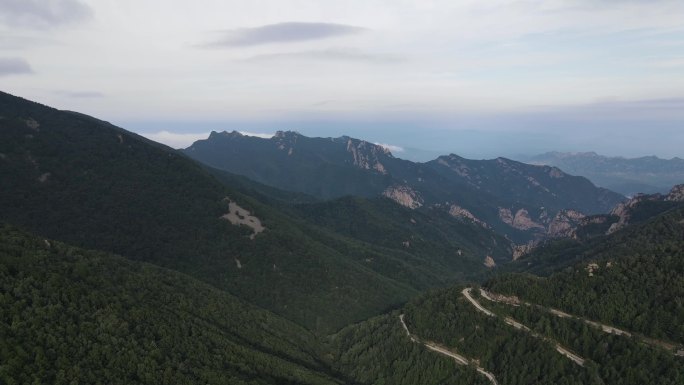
<point x="628" y="176"/>
<point x="514" y="198"/>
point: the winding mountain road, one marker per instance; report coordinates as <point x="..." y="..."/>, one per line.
<point x="460" y="360"/>
<point x="510" y="321"/>
<point x="675" y="349"/>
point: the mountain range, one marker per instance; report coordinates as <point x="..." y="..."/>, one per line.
<point x="521" y="201"/>
<point x="97" y="186"/>
<point x="628" y="176"/>
<point x="326" y="261"/>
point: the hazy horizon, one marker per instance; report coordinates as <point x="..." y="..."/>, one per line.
<point x="403" y="139"/>
<point x="500" y="78"/>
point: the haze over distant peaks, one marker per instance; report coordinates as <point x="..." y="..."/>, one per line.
<point x="629" y="176"/>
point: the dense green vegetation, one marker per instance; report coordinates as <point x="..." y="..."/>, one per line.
<point x="195" y="299"/>
<point x="434" y="236"/>
<point x="619" y="359"/>
<point x="315" y="166"/>
<point x="86" y="182"/>
<point x="68" y="315"/>
<point x="527" y="185"/>
<point x="513" y="356"/>
<point x="373" y="351"/>
<point x="83" y="181"/>
<point x="637" y="283"/>
<point x="378" y="352"/>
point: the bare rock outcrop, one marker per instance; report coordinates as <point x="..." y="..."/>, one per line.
<point x="522" y="250"/>
<point x="676" y="194"/>
<point x="367" y="155"/>
<point x="457" y="211"/>
<point x="624" y="210"/>
<point x="240" y="216"/>
<point x="521" y="220"/>
<point x="404" y="195"/>
<point x="564" y="223"/>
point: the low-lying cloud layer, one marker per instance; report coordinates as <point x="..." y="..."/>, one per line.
<point x="288" y="32"/>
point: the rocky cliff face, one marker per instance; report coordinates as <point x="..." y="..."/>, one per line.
<point x="521" y="220"/>
<point x="404" y="195"/>
<point x="457" y="211"/>
<point x="559" y="226"/>
<point x="521" y="250"/>
<point x="367" y="156"/>
<point x="625" y="210"/>
<point x="286" y="141"/>
<point x="676" y="194"/>
<point x="636" y="209"/>
<point x="564" y="223"/>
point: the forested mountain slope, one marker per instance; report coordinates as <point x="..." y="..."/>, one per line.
<point x="516" y="199"/>
<point x="432" y="234"/>
<point x="77" y="179"/>
<point x="633" y="278"/>
<point x="630" y="281"/>
<point x="70" y="315"/>
<point x="379" y="350"/>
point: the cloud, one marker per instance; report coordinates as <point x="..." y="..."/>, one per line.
<point x="327" y="55"/>
<point x="641" y="110"/>
<point x="41" y="14"/>
<point x="81" y="94"/>
<point x="258" y="135"/>
<point x="288" y="32"/>
<point x="14" y="66"/>
<point x="16" y="42"/>
<point x="175" y="140"/>
<point x="390" y="147"/>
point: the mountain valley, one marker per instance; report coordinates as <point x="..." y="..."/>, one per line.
<point x="298" y="260"/>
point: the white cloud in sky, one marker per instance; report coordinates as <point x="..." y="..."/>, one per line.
<point x="258" y="135"/>
<point x="452" y="64"/>
<point x="14" y="66"/>
<point x="390" y="147"/>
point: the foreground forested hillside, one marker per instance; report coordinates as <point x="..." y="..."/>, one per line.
<point x="69" y="315"/>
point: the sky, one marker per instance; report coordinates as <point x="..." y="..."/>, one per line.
<point x="476" y="78"/>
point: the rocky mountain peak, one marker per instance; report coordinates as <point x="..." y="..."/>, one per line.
<point x="225" y="134"/>
<point x="555" y="172"/>
<point x="676" y="194"/>
<point x="456" y="164"/>
<point x="286" y="140"/>
<point x="368" y="156"/>
<point x="287" y="134"/>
